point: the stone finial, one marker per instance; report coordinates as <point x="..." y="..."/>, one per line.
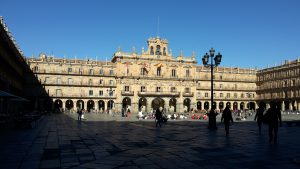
<point x="180" y="53"/>
<point x="193" y="55"/>
<point x="119" y="49"/>
<point x="143" y="50"/>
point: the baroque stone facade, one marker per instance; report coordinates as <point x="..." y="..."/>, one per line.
<point x="280" y="84"/>
<point x="143" y="81"/>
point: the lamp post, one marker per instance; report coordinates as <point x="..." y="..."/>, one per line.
<point x="205" y="61"/>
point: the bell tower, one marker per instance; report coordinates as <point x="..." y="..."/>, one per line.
<point x="157" y="47"/>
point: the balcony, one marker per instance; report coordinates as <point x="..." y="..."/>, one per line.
<point x="188" y="94"/>
<point x="81" y="96"/>
<point x="127" y="93"/>
<point x="155" y="93"/>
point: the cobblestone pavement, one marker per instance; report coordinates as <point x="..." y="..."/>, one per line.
<point x="60" y="141"/>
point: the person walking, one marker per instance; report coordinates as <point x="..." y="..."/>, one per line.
<point x="158" y="116"/>
<point x="227" y="117"/>
<point x="273" y="116"/>
<point x="259" y="116"/>
<point x="79" y="112"/>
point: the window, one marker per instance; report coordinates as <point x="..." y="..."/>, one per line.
<point x="58" y="80"/>
<point x="101" y="82"/>
<point x="111" y="72"/>
<point x="242" y="95"/>
<point x="90" y="92"/>
<point x="143" y="71"/>
<point x="221" y="86"/>
<point x="158" y="72"/>
<point x="187" y="73"/>
<point x="221" y="77"/>
<point x="35" y="68"/>
<point x="214" y="95"/>
<point x="46" y="79"/>
<point x="110" y="92"/>
<point x="111" y="82"/>
<point x="228" y="95"/>
<point x="173" y="73"/>
<point x="173" y="89"/>
<point x="143" y="88"/>
<point x="187" y="90"/>
<point x="101" y="71"/>
<point x="91" y="72"/>
<point x="126" y="88"/>
<point x="70" y="81"/>
<point x="90" y="82"/>
<point x="158" y="89"/>
<point x="69" y="70"/>
<point x="235" y="95"/>
<point x="221" y="94"/>
<point x="80" y="71"/>
<point x="100" y="92"/>
<point x="58" y="92"/>
<point x="151" y="50"/>
<point x="206" y="94"/>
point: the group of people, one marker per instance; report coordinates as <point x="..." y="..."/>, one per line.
<point x="272" y="117"/>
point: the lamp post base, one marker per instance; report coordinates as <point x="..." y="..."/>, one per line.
<point x="212" y="122"/>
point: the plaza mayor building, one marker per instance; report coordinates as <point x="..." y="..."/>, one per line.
<point x="143" y="81"/>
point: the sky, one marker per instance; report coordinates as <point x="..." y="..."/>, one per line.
<point x="248" y="33"/>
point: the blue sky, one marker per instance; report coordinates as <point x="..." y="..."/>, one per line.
<point x="253" y="33"/>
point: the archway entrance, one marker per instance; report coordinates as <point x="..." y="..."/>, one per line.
<point x="187" y="104"/>
<point x="199" y="106"/>
<point x="101" y="105"/>
<point x="206" y="105"/>
<point x="126" y="103"/>
<point x="90" y="105"/>
<point x="228" y="104"/>
<point x="143" y="104"/>
<point x="235" y="106"/>
<point x="69" y="104"/>
<point x="214" y="105"/>
<point x="242" y="105"/>
<point x="58" y="105"/>
<point x="157" y="102"/>
<point x="110" y="104"/>
<point x="172" y="104"/>
<point x="252" y="106"/>
<point x="80" y="104"/>
<point x="221" y="105"/>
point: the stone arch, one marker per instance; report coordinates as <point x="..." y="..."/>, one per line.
<point x="187" y="103"/>
<point x="110" y="104"/>
<point x="221" y="105"/>
<point x="101" y="105"/>
<point x="199" y="105"/>
<point x="90" y="105"/>
<point x="143" y="104"/>
<point x="69" y="104"/>
<point x="80" y="104"/>
<point x="235" y="106"/>
<point x="206" y="105"/>
<point x="172" y="103"/>
<point x="126" y="103"/>
<point x="242" y="106"/>
<point x="157" y="102"/>
<point x="58" y="105"/>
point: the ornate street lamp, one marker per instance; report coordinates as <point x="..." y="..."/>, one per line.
<point x="205" y="61"/>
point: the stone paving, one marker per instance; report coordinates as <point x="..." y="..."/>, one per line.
<point x="60" y="141"/>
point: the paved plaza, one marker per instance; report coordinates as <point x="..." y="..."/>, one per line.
<point x="60" y="141"/>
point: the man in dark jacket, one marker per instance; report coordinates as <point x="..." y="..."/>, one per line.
<point x="259" y="116"/>
<point x="273" y="115"/>
<point x="227" y="117"/>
